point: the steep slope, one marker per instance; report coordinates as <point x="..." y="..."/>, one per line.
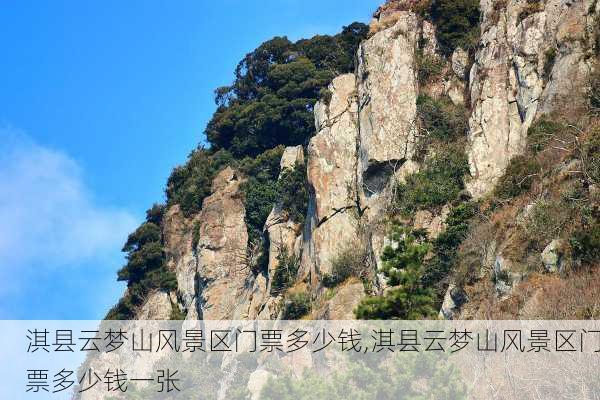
<point x="472" y="126"/>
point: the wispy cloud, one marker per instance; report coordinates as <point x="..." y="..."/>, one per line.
<point x="48" y="217"/>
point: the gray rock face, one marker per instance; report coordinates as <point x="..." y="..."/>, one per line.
<point x="157" y="307"/>
<point x="552" y="256"/>
<point x="258" y="379"/>
<point x="344" y="302"/>
<point x="505" y="279"/>
<point x="224" y="279"/>
<point x="460" y="62"/>
<point x="331" y="173"/>
<point x="524" y="65"/>
<point x="453" y="300"/>
<point x="387" y="92"/>
<point x="283" y="233"/>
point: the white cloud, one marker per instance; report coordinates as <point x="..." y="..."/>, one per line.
<point x="48" y="218"/>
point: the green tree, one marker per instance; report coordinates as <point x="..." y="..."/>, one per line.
<point x="403" y="267"/>
<point x="275" y="88"/>
<point x="457" y="23"/>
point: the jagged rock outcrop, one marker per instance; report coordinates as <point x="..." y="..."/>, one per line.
<point x="344" y="301"/>
<point x="531" y="57"/>
<point x="283" y="233"/>
<point x="387" y="94"/>
<point x="552" y="256"/>
<point x="224" y="276"/>
<point x="331" y="169"/>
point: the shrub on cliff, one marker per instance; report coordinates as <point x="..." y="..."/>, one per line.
<point x="439" y="182"/>
<point x="541" y="132"/>
<point x="292" y="191"/>
<point x="403" y="266"/>
<point x="441" y="119"/>
<point x="591" y="156"/>
<point x="429" y="67"/>
<point x="145" y="270"/>
<point x="260" y="189"/>
<point x="445" y="248"/>
<point x="296" y="306"/>
<point x="595" y="90"/>
<point x="351" y="262"/>
<point x="585" y="244"/>
<point x="286" y="271"/>
<point x="457" y="23"/>
<point x="518" y="177"/>
<point x="190" y="183"/>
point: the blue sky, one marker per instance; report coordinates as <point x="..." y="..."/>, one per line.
<point x="98" y="102"/>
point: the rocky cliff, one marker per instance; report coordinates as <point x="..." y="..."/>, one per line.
<point x="530" y="61"/>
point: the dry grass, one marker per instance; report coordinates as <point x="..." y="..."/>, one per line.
<point x="549" y="297"/>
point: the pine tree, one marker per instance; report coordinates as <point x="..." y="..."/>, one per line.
<point x="403" y="269"/>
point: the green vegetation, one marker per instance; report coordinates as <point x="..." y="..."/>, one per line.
<point x="596" y="34"/>
<point x="296" y="305"/>
<point x="268" y="106"/>
<point x="595" y="90"/>
<point x="292" y="189"/>
<point x="429" y="67"/>
<point x="439" y="182"/>
<point x="189" y="184"/>
<point x="518" y="178"/>
<point x="403" y="266"/>
<point x="550" y="59"/>
<point x="546" y="220"/>
<point x="176" y="313"/>
<point x="541" y="132"/>
<point x="585" y="244"/>
<point x="195" y="235"/>
<point x="145" y="270"/>
<point x="286" y="271"/>
<point x="445" y="248"/>
<point x="260" y="189"/>
<point x="276" y="86"/>
<point x="457" y="23"/>
<point x="441" y="119"/>
<point x="351" y="262"/>
<point x="591" y="156"/>
<point x="390" y="376"/>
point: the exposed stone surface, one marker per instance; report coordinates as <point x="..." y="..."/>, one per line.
<point x="509" y="83"/>
<point x="332" y="177"/>
<point x="258" y="379"/>
<point x="453" y="300"/>
<point x="552" y="256"/>
<point x="504" y="277"/>
<point x="156" y="307"/>
<point x="282" y="232"/>
<point x="526" y="64"/>
<point x="224" y="276"/>
<point x="387" y="92"/>
<point x="181" y="258"/>
<point x="434" y="224"/>
<point x="343" y="303"/>
<point x="460" y="62"/>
